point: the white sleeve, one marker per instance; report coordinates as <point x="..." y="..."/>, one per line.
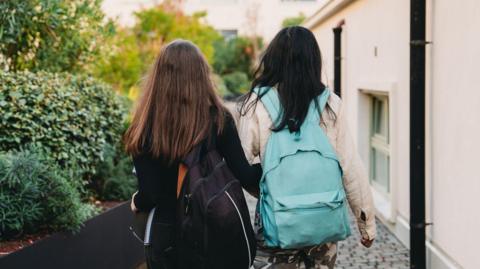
<point x="249" y="132"/>
<point x="355" y="179"/>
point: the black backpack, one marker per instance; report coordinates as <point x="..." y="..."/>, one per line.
<point x="213" y="223"/>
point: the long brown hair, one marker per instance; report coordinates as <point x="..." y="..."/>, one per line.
<point x="175" y="110"/>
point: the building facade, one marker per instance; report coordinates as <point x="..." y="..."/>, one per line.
<point x="231" y="17"/>
<point x="375" y="88"/>
<point x="250" y="17"/>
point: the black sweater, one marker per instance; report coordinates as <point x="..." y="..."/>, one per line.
<point x="157" y="181"/>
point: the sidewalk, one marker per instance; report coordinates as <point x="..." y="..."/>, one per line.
<point x="386" y="253"/>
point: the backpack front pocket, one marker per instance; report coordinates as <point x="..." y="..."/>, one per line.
<point x="311" y="219"/>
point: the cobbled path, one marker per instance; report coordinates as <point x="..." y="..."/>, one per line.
<point x="386" y="253"/>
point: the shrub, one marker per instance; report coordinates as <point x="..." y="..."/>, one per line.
<point x="35" y="194"/>
<point x="234" y="55"/>
<point x="71" y="117"/>
<point x="294" y="21"/>
<point x="236" y="82"/>
<point x="114" y="180"/>
<point x="220" y="85"/>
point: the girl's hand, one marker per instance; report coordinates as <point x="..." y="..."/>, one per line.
<point x="132" y="203"/>
<point x="366" y="242"/>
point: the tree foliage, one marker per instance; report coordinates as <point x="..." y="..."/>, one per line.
<point x="233" y="61"/>
<point x="294" y="21"/>
<point x="233" y="55"/>
<point x="122" y="64"/>
<point x="134" y="49"/>
<point x="50" y="35"/>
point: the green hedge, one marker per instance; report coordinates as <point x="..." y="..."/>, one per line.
<point x="70" y="117"/>
<point x="37" y="194"/>
<point x="237" y="82"/>
<point x="114" y="179"/>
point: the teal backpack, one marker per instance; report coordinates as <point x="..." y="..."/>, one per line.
<point x="302" y="199"/>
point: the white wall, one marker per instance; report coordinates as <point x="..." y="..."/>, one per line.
<point x="453" y="116"/>
<point x="225" y="14"/>
<point x="122" y="10"/>
<point x="238" y="14"/>
<point x="456" y="129"/>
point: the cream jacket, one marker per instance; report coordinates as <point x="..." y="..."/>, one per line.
<point x="254" y="131"/>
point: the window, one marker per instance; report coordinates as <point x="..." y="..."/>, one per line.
<point x="379" y="144"/>
<point x="229" y="34"/>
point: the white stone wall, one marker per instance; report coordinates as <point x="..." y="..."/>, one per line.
<point x="376" y="59"/>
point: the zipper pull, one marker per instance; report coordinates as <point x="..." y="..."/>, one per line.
<point x="187" y="198"/>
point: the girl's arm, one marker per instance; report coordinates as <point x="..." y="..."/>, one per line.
<point x="156" y="184"/>
<point x="230" y="148"/>
<point x="355" y="179"/>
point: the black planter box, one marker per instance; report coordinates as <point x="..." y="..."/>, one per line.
<point x="105" y="242"/>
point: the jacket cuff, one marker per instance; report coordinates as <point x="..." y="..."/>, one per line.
<point x="366" y="225"/>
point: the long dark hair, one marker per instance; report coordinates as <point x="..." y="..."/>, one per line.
<point x="292" y="64"/>
<point x="174" y="112"/>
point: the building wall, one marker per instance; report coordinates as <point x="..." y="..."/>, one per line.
<point x="455" y="123"/>
<point x="122" y="10"/>
<point x="263" y="18"/>
<point x="376" y="59"/>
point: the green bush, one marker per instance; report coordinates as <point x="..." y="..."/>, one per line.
<point x="51" y="35"/>
<point x="220" y="85"/>
<point x="114" y="180"/>
<point x="71" y="117"/>
<point x="294" y="21"/>
<point x="36" y="194"/>
<point x="234" y="55"/>
<point x="236" y="82"/>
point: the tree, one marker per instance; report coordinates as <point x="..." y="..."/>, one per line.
<point x="232" y="55"/>
<point x="50" y="35"/>
<point x="122" y="63"/>
<point x="133" y="50"/>
<point x="165" y="23"/>
<point x="233" y="60"/>
<point x="293" y="21"/>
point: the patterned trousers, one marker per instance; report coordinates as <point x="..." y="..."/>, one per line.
<point x="318" y="257"/>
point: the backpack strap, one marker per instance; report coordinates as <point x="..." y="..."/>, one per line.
<point x="182" y="172"/>
<point x="322" y="102"/>
<point x="270" y="100"/>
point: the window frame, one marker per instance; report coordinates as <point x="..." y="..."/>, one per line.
<point x="379" y="142"/>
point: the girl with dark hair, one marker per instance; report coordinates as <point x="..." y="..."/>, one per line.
<point x="178" y="110"/>
<point x="290" y="71"/>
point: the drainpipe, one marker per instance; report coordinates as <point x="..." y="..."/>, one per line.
<point x="337" y="53"/>
<point x="417" y="133"/>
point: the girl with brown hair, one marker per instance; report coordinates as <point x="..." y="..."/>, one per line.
<point x="177" y="111"/>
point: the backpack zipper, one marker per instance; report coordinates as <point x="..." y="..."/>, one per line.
<point x="244" y="230"/>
